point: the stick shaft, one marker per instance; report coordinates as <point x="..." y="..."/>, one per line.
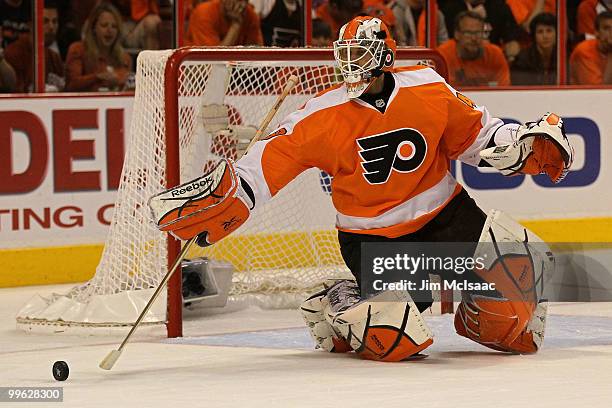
<point x="291" y="82"/>
<point x="159" y="289"/>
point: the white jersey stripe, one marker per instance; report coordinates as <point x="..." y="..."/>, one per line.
<point x="250" y="168"/>
<point x="489" y="126"/>
<point x="417" y="77"/>
<point x="329" y="99"/>
<point x="409" y="210"/>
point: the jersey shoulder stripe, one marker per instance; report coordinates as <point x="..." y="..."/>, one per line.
<point x="329" y="98"/>
<point x="329" y="89"/>
<point x="409" y="68"/>
<point x="417" y="77"/>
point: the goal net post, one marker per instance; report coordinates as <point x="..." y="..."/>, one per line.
<point x="286" y="249"/>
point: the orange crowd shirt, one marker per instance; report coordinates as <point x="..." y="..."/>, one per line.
<point x="82" y="76"/>
<point x="19" y="55"/>
<point x="421" y="26"/>
<point x="390" y="170"/>
<point x="491" y="69"/>
<point x="521" y="9"/>
<point x="587" y="64"/>
<point x="378" y="9"/>
<point x="585" y="17"/>
<point x="141" y="8"/>
<point x="375" y="8"/>
<point x="322" y="12"/>
<point x="208" y="26"/>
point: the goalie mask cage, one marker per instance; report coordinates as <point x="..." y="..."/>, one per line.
<point x="286" y="249"/>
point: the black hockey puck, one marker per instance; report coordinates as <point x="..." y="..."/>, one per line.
<point x="60" y="370"/>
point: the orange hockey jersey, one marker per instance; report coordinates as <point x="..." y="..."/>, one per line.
<point x="390" y="170"/>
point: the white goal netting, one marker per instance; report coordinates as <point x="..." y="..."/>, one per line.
<point x="284" y="251"/>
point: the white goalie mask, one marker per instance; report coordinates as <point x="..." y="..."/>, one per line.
<point x="363" y="51"/>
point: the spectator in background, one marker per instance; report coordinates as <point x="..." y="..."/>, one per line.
<point x="501" y="23"/>
<point x="8" y="79"/>
<point x="141" y="23"/>
<point x="19" y="55"/>
<point x="571" y="9"/>
<point x="591" y="61"/>
<point x="336" y="13"/>
<point x="525" y="10"/>
<point x="588" y="10"/>
<point x="410" y="26"/>
<point x="280" y="21"/>
<point x="189" y="5"/>
<point x="98" y="63"/>
<point x="321" y="34"/>
<point x="537" y="65"/>
<point x="70" y="23"/>
<point x="224" y="22"/>
<point x="376" y="8"/>
<point x="471" y="60"/>
<point x="15" y="17"/>
<point x="51" y="24"/>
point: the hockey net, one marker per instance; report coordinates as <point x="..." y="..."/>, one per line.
<point x="285" y="250"/>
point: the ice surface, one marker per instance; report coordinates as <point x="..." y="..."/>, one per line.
<point x="255" y="358"/>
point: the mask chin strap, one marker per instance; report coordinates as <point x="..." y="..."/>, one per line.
<point x="387" y="57"/>
<point x="378" y="71"/>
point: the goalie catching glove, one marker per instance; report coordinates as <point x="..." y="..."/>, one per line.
<point x="539" y="147"/>
<point x="211" y="206"/>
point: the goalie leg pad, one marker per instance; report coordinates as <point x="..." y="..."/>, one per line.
<point x="387" y="327"/>
<point x="501" y="325"/>
<point x="514" y="321"/>
<point x="209" y="206"/>
<point x="488" y="323"/>
<point x="323" y="333"/>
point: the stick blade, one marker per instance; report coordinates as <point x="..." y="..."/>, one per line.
<point x="110" y="360"/>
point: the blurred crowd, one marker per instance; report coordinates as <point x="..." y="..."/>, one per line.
<point x="91" y="45"/>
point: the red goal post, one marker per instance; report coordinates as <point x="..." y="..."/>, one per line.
<point x="172" y="129"/>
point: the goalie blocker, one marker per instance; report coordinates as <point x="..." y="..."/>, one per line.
<point x="211" y="206"/>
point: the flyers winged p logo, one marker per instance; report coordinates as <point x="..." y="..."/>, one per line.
<point x="402" y="150"/>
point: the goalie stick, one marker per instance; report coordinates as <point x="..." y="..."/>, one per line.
<point x="111" y="358"/>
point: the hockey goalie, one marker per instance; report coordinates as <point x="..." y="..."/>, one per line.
<point x="386" y="135"/>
